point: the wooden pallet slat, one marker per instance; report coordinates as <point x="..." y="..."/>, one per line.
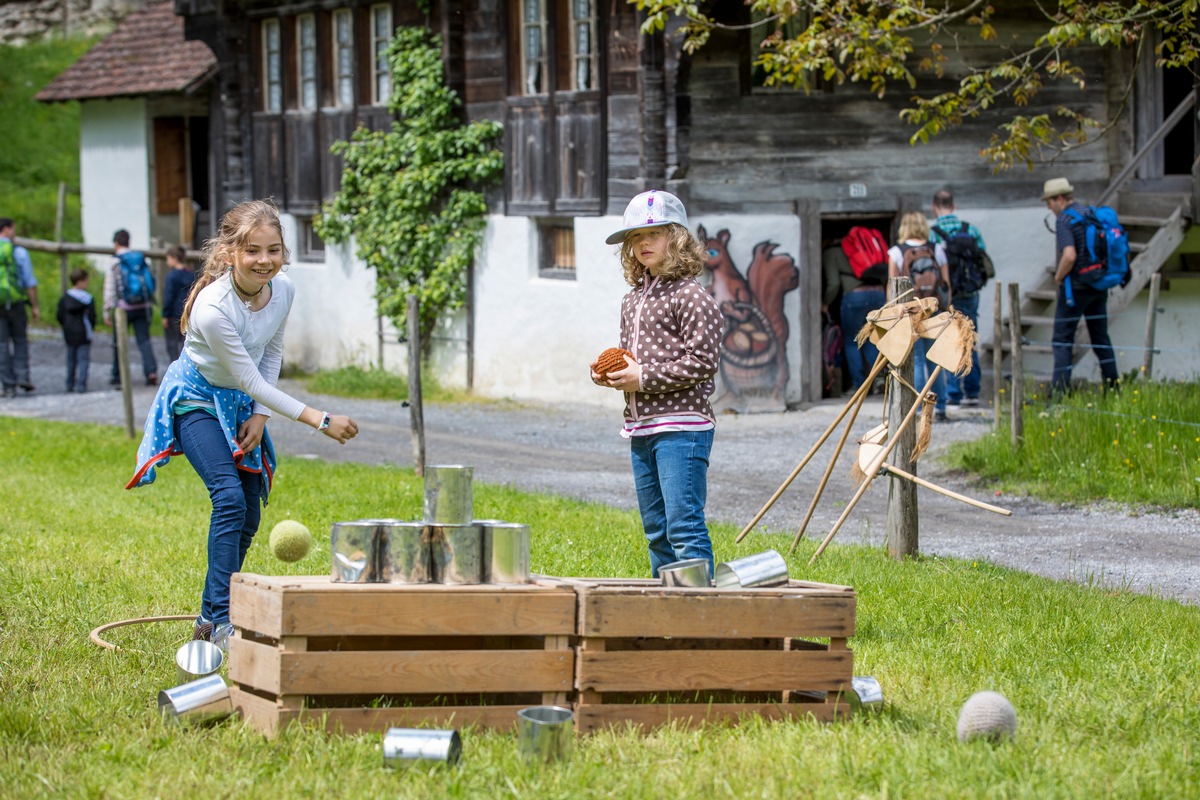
<point x="736" y="670"/>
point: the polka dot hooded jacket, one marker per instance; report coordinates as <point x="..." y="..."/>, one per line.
<point x="673" y="328"/>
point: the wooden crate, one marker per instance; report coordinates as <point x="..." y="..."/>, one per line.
<point x="367" y="657"/>
<point x="649" y="654"/>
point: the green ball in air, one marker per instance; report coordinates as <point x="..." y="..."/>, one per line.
<point x="290" y="540"/>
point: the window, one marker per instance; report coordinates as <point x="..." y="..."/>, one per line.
<point x="533" y="47"/>
<point x="312" y="247"/>
<point x="381" y="35"/>
<point x="272" y="66"/>
<point x="558" y="250"/>
<point x="583" y="38"/>
<point x="343" y="58"/>
<point x="306" y="60"/>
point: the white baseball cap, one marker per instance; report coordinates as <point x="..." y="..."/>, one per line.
<point x="648" y="210"/>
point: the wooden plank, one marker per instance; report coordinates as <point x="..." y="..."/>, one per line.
<point x="425" y="672"/>
<point x="590" y="718"/>
<point x="255" y="665"/>
<point x="261" y="713"/>
<point x="253" y="607"/>
<point x="714" y="614"/>
<point x="562" y="646"/>
<point x="379" y="720"/>
<point x="738" y="670"/>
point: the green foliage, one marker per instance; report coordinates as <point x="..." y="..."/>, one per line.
<point x="379" y="384"/>
<point x="873" y="43"/>
<point x="1139" y="446"/>
<point x="410" y="196"/>
<point x="1103" y="680"/>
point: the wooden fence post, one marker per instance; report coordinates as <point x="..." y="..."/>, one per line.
<point x="1151" y="317"/>
<point x="1018" y="367"/>
<point x="902" y="517"/>
<point x="121" y="331"/>
<point x="997" y="353"/>
<point x="416" y="413"/>
<point x="58" y="234"/>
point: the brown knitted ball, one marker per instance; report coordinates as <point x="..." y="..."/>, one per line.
<point x="611" y="360"/>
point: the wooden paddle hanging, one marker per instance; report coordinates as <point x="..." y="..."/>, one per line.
<point x="897" y="344"/>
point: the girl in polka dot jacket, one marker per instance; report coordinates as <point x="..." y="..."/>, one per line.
<point x="673" y="326"/>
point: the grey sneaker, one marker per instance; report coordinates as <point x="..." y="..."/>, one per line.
<point x="221" y="634"/>
<point x="202" y="630"/>
<point x="970" y="401"/>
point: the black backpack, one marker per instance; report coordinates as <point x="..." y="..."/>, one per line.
<point x="970" y="266"/>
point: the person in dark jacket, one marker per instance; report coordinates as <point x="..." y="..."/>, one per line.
<point x="77" y="314"/>
<point x="180" y="278"/>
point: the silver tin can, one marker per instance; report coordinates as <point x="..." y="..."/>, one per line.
<point x="456" y="553"/>
<point x="197" y="659"/>
<point x="505" y="552"/>
<point x="448" y="498"/>
<point x="355" y="549"/>
<point x="759" y="570"/>
<point x="404" y="554"/>
<point x="691" y="573"/>
<point x="199" y="701"/>
<point x="405" y="746"/>
<point x="545" y="733"/>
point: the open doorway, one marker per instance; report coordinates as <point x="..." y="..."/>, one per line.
<point x="843" y="299"/>
<point x="1179" y="148"/>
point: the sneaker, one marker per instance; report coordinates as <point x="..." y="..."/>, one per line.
<point x="114" y="381"/>
<point x="221" y="634"/>
<point x="950" y="401"/>
<point x="202" y="630"/>
<point x="28" y="386"/>
<point x="939" y="416"/>
<point x="970" y="401"/>
<point x="10" y="391"/>
<point x="152" y="379"/>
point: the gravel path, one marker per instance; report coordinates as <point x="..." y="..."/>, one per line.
<point x="575" y="452"/>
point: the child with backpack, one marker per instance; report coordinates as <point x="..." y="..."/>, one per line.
<point x="76" y="314"/>
<point x="129" y="285"/>
<point x="179" y="280"/>
<point x="924" y="262"/>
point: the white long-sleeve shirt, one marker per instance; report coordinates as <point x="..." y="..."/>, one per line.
<point x="236" y="348"/>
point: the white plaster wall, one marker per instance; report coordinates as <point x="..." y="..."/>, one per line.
<point x="114" y="172"/>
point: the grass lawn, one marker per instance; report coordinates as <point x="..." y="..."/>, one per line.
<point x="1104" y="681"/>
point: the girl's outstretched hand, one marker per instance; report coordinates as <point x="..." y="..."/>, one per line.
<point x="341" y="428"/>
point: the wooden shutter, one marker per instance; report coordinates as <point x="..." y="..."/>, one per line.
<point x="170" y="163"/>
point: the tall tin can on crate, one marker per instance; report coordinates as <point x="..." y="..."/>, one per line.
<point x="355" y="549"/>
<point x="404" y="552"/>
<point x="505" y="551"/>
<point x="448" y="499"/>
<point x="456" y="554"/>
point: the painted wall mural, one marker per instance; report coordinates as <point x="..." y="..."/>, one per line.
<point x="754" y="358"/>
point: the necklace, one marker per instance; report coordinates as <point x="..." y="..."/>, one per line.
<point x="243" y="295"/>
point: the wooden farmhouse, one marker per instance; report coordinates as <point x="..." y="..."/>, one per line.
<point x="595" y="111"/>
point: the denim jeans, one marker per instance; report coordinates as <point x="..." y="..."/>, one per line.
<point x="174" y="339"/>
<point x="79" y="357"/>
<point x="139" y="320"/>
<point x="1092" y="305"/>
<point x="670" y="471"/>
<point x="923" y="368"/>
<point x="236" y="512"/>
<point x="14" y="364"/>
<point x="855" y="307"/>
<point x="967" y="385"/>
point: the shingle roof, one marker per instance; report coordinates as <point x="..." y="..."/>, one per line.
<point x="146" y="54"/>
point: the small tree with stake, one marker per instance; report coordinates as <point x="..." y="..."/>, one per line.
<point x="410" y="196"/>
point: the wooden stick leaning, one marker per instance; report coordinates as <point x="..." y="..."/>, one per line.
<point x="856" y="398"/>
<point x="867" y="452"/>
<point x="837" y="451"/>
<point x="876" y="463"/>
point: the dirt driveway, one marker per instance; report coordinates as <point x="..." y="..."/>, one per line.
<point x="576" y="452"/>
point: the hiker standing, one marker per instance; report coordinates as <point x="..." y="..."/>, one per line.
<point x="76" y="314"/>
<point x="1076" y="298"/>
<point x="966" y="257"/>
<point x="18" y="287"/>
<point x="924" y="262"/>
<point x="128" y="284"/>
<point x="860" y="296"/>
<point x="180" y="278"/>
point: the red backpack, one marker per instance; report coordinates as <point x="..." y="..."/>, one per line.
<point x="866" y="250"/>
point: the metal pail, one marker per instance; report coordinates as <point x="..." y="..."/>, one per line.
<point x="865" y="694"/>
<point x="691" y="572"/>
<point x="448" y="495"/>
<point x="355" y="548"/>
<point x="505" y="552"/>
<point x="456" y="553"/>
<point x="545" y="733"/>
<point x="760" y="570"/>
<point x="199" y="701"/>
<point x="404" y="555"/>
<point x="404" y="746"/>
<point x="197" y="659"/>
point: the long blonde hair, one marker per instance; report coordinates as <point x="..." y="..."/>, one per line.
<point x="235" y="229"/>
<point x="913" y="225"/>
<point x="685" y="257"/>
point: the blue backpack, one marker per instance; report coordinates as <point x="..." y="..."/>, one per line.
<point x="1106" y="262"/>
<point x="137" y="282"/>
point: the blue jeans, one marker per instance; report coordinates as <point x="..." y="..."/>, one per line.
<point x="923" y="368"/>
<point x="855" y="307"/>
<point x="79" y="357"/>
<point x="139" y="320"/>
<point x="1092" y="305"/>
<point x="967" y="385"/>
<point x="14" y="364"/>
<point x="670" y="471"/>
<point x="236" y="512"/>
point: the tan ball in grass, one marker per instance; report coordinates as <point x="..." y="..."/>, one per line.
<point x="290" y="540"/>
<point x="611" y="360"/>
<point x="987" y="715"/>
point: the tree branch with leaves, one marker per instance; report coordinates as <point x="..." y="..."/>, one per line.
<point x="876" y="44"/>
<point x="410" y="196"/>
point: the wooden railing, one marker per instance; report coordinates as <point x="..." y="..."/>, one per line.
<point x="1167" y="126"/>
